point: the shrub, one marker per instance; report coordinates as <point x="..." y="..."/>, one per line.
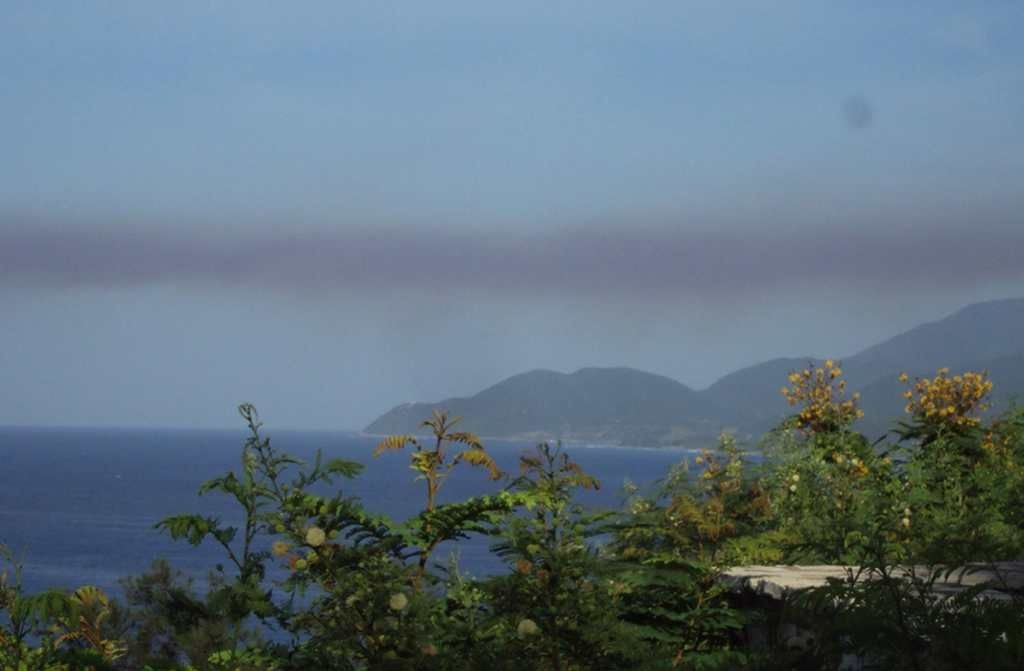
<point x="637" y="588"/>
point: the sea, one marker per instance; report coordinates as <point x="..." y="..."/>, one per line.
<point x="78" y="506"/>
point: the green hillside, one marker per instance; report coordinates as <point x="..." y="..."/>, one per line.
<point x="627" y="406"/>
<point x="610" y="405"/>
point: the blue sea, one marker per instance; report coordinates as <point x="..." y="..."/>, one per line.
<point x="78" y="506"/>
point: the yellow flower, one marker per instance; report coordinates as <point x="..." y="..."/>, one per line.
<point x="904" y="377"/>
<point x="953" y="401"/>
<point x="819" y="391"/>
<point x="905" y="522"/>
<point x="315" y="537"/>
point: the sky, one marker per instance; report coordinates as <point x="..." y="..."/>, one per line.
<point x="331" y="208"/>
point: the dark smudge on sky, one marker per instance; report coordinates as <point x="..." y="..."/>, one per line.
<point x="858" y="112"/>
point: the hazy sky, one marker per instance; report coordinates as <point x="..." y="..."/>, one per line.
<point x="329" y="208"/>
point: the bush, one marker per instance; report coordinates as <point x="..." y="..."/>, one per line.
<point x="637" y="588"/>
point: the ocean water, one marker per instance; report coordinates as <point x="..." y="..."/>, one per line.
<point x="78" y="506"/>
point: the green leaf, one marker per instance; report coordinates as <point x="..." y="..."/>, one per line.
<point x="344" y="468"/>
<point x="193" y="528"/>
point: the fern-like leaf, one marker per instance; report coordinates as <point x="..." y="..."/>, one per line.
<point x="477" y="456"/>
<point x="465" y="438"/>
<point x="343" y="467"/>
<point x="394" y="443"/>
<point x="457" y="520"/>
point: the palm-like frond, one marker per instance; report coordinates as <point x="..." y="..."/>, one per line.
<point x="457" y="520"/>
<point x="465" y="438"/>
<point x="394" y="443"/>
<point x="89" y="607"/>
<point x="477" y="456"/>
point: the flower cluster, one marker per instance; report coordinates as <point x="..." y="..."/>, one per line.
<point x="998" y="443"/>
<point x="821" y="391"/>
<point x="854" y="466"/>
<point x="949" y="401"/>
<point x="398" y="602"/>
<point x="527" y="628"/>
<point x="315" y="537"/>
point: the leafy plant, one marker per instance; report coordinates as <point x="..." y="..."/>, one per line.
<point x="434" y="465"/>
<point x="53" y="630"/>
<point x="903" y="516"/>
<point x="638" y="588"/>
<point x="271" y="505"/>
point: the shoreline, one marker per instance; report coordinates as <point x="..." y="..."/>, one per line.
<point x="568" y="442"/>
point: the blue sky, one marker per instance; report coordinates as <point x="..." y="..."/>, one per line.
<point x="330" y="208"/>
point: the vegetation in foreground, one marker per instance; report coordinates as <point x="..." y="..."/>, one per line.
<point x="635" y="588"/>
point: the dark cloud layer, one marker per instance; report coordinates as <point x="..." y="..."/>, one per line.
<point x="581" y="262"/>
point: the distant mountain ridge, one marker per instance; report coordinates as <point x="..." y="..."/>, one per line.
<point x="596" y="404"/>
<point x="632" y="407"/>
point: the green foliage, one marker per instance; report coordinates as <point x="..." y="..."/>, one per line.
<point x="165" y="621"/>
<point x="53" y="630"/>
<point x="638" y="588"/>
<point x="902" y="515"/>
<point x="680" y="537"/>
<point x="433" y="465"/>
<point x="715" y="513"/>
<point x="897" y="620"/>
<point x="559" y="596"/>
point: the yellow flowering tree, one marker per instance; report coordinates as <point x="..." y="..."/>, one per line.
<point x="945" y="403"/>
<point x="963" y="472"/>
<point x="820" y="393"/>
<point x="831" y="485"/>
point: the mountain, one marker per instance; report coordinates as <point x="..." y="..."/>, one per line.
<point x="626" y="406"/>
<point x="750" y="398"/>
<point x="982" y="336"/>
<point x="978" y="332"/>
<point x="609" y="405"/>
